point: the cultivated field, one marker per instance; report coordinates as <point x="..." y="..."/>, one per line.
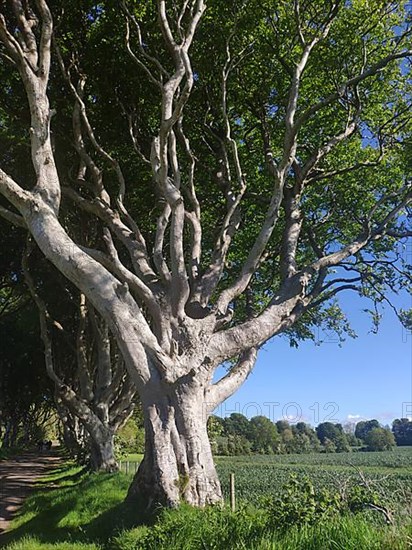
<point x="390" y="472"/>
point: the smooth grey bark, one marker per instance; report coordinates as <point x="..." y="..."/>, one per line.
<point x="86" y="439"/>
<point x="102" y="456"/>
<point x="73" y="434"/>
<point x="178" y="462"/>
<point x="99" y="435"/>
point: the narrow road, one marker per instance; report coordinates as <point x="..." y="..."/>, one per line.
<point x="17" y="478"/>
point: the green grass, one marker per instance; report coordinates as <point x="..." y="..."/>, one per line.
<point x="130" y="463"/>
<point x="73" y="505"/>
<point x="32" y="543"/>
<point x="133" y="457"/>
<point x="189" y="529"/>
<point x="75" y="510"/>
<point x="346" y="533"/>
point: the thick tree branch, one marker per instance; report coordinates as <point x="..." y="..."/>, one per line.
<point x="16" y="195"/>
<point x="35" y="80"/>
<point x="143" y="292"/>
<point x="292" y="196"/>
<point x="193" y="216"/>
<point x="122" y="232"/>
<point x="164" y="155"/>
<point x="291" y="233"/>
<point x="43" y="317"/>
<point x="158" y="257"/>
<point x="45" y="39"/>
<point x="231" y="382"/>
<point x="83" y="375"/>
<point x="282" y="312"/>
<point x="27" y="20"/>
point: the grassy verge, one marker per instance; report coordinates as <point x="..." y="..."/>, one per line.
<point x="71" y="506"/>
<point x="75" y="510"/>
<point x="189" y="529"/>
<point x="33" y="543"/>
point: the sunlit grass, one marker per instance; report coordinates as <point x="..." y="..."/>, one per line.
<point x="191" y="529"/>
<point x="32" y="543"/>
<point x="73" y="505"/>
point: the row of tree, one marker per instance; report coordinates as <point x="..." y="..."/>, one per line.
<point x="236" y="435"/>
<point x="75" y="378"/>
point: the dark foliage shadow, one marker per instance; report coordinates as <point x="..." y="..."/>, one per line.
<point x="46" y="524"/>
<point x="69" y="477"/>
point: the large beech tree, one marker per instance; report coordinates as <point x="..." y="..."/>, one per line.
<point x="242" y="164"/>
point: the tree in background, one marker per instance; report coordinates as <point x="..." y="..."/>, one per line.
<point x="241" y="165"/>
<point x="402" y="430"/>
<point x="215" y="431"/>
<point x="364" y="427"/>
<point x="329" y="433"/>
<point x="263" y="435"/>
<point x="26" y="395"/>
<point x="305" y="438"/>
<point x="379" y="439"/>
<point x="235" y="435"/>
<point x="349" y="429"/>
<point x="130" y="437"/>
<point x="237" y="424"/>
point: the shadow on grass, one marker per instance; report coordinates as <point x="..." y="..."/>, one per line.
<point x="91" y="511"/>
<point x="72" y="478"/>
<point x="44" y="524"/>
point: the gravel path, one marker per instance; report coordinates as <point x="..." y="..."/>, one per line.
<point x="17" y="478"/>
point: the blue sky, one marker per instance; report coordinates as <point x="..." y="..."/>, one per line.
<point x="368" y="377"/>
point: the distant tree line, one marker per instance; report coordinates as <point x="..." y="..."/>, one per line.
<point x="237" y="435"/>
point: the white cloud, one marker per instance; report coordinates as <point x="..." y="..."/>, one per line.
<point x="354" y="417"/>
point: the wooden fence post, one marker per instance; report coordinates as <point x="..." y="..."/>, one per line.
<point x="232" y="493"/>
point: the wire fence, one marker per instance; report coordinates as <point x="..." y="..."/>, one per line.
<point x="129" y="466"/>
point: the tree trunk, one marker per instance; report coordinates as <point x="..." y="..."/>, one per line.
<point x="6" y="437"/>
<point x="13" y="435"/>
<point x="102" y="456"/>
<point x="178" y="463"/>
<point x="73" y="432"/>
